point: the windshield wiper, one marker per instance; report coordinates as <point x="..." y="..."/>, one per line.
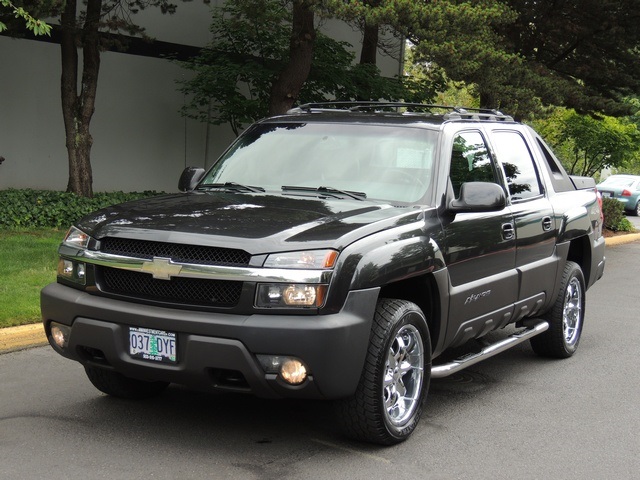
<point x="232" y="185"/>
<point x="328" y="191"/>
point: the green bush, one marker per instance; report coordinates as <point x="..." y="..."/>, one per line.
<point x="626" y="226"/>
<point x="50" y="209"/>
<point x="614" y="218"/>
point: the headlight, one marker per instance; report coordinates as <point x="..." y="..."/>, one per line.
<point x="283" y="295"/>
<point x="311" y="259"/>
<point x="72" y="270"/>
<point x="274" y="295"/>
<point x="76" y="238"/>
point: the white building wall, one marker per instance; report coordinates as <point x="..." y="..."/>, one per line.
<point x="141" y="142"/>
<point x="31" y="135"/>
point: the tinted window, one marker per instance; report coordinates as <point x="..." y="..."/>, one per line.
<point x="519" y="169"/>
<point x="470" y="161"/>
<point x="559" y="178"/>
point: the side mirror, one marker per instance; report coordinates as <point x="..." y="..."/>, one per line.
<point x="190" y="178"/>
<point x="479" y="197"/>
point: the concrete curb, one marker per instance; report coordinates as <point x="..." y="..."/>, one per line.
<point x="26" y="336"/>
<point x="18" y="338"/>
<point x="622" y="239"/>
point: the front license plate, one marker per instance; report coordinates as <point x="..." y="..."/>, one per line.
<point x="153" y="345"/>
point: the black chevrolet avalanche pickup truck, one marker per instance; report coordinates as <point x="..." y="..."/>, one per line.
<point x="341" y="251"/>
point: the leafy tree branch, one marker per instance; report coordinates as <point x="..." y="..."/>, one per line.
<point x="38" y="27"/>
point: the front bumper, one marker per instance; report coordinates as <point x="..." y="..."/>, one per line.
<point x="216" y="351"/>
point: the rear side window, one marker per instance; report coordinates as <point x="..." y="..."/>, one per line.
<point x="519" y="168"/>
<point x="559" y="178"/>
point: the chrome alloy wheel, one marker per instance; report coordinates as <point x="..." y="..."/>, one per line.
<point x="572" y="312"/>
<point x="404" y="371"/>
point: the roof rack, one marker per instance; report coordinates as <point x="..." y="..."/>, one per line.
<point x="447" y="112"/>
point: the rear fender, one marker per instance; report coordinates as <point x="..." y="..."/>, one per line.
<point x="575" y="223"/>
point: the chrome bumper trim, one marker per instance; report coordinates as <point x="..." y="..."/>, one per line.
<point x="165" y="269"/>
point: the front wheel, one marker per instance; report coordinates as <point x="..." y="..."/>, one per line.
<point x="117" y="385"/>
<point x="565" y="318"/>
<point x="389" y="399"/>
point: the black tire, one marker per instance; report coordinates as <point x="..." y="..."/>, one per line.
<point x="636" y="211"/>
<point x="117" y="385"/>
<point x="376" y="413"/>
<point x="566" y="317"/>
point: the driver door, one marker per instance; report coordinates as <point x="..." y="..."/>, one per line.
<point x="479" y="249"/>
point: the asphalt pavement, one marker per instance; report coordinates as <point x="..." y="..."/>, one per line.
<point x="513" y="416"/>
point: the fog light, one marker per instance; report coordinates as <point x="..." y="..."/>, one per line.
<point x="290" y="369"/>
<point x="293" y="371"/>
<point x="60" y="334"/>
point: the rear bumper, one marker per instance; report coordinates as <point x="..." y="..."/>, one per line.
<point x="628" y="203"/>
<point x="214" y="348"/>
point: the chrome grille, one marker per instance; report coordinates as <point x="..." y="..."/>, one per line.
<point x="178" y="252"/>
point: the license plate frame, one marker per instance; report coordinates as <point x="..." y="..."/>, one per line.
<point x="158" y="346"/>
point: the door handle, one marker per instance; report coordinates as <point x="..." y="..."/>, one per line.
<point x="508" y="232"/>
<point x="547" y="224"/>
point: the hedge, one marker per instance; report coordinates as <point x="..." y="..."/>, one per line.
<point x="51" y="209"/>
<point x="614" y="217"/>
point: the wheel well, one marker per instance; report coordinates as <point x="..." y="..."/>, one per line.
<point x="580" y="253"/>
<point x="422" y="291"/>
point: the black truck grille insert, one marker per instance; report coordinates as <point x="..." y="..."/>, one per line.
<point x="178" y="252"/>
<point x="180" y="290"/>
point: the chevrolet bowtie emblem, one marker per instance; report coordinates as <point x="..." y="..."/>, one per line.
<point x="161" y="268"/>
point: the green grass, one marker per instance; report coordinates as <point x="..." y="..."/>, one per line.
<point x="28" y="261"/>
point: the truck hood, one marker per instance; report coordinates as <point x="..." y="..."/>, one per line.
<point x="255" y="222"/>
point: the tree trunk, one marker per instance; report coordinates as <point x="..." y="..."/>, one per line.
<point x="368" y="56"/>
<point x="286" y="88"/>
<point x="369" y="51"/>
<point x="78" y="107"/>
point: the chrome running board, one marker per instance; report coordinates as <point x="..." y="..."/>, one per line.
<point x="440" y="371"/>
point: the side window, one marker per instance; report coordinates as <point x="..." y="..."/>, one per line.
<point x="470" y="161"/>
<point x="559" y="178"/>
<point x="519" y="169"/>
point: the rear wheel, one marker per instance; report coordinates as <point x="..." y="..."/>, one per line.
<point x="565" y="318"/>
<point x="390" y="396"/>
<point x="636" y="211"/>
<point x="117" y="385"/>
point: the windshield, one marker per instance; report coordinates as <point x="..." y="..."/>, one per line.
<point x="382" y="162"/>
